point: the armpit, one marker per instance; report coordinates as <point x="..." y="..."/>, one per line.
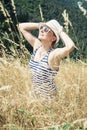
<point x="54" y="61"/>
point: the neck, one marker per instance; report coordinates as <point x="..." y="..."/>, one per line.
<point x="46" y="46"/>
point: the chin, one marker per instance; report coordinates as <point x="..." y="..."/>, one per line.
<point x="41" y="37"/>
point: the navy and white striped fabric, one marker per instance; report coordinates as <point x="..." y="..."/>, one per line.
<point x="42" y="77"/>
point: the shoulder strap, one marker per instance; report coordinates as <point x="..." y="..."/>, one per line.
<point x="34" y="51"/>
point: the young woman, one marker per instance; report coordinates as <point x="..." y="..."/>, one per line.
<point x="45" y="60"/>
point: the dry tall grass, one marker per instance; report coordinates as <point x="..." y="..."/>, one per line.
<point x="19" y="112"/>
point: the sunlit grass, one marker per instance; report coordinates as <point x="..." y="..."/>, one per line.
<point x="19" y="111"/>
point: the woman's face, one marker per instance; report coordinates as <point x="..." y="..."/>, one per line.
<point x="46" y="34"/>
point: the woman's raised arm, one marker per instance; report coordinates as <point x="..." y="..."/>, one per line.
<point x="59" y="53"/>
<point x="25" y="28"/>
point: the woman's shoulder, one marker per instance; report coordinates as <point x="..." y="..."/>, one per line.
<point x="54" y="59"/>
<point x="37" y="44"/>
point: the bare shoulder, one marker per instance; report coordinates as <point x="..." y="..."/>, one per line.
<point x="37" y="43"/>
<point x="59" y="52"/>
<point x="56" y="56"/>
<point x="54" y="59"/>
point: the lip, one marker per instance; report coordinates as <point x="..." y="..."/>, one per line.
<point x="41" y="34"/>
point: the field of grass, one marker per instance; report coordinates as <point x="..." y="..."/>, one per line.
<point x="19" y="112"/>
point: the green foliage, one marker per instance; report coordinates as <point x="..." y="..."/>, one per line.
<point x="27" y="10"/>
<point x="14" y="127"/>
<point x="67" y="126"/>
<point x="11" y="41"/>
<point x="54" y="9"/>
<point x="24" y="117"/>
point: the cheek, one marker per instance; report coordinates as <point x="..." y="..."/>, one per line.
<point x="40" y="34"/>
<point x="51" y="37"/>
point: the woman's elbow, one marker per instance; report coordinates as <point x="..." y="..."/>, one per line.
<point x="20" y="27"/>
<point x="72" y="48"/>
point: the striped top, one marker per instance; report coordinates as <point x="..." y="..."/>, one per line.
<point x="43" y="84"/>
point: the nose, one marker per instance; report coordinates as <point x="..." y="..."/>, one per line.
<point x="42" y="30"/>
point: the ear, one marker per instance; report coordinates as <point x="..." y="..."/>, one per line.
<point x="54" y="38"/>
